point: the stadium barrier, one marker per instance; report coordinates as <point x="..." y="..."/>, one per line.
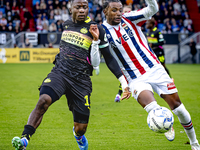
<point x="28" y="55"/>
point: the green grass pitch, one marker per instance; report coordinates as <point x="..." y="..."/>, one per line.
<point x="112" y="126"/>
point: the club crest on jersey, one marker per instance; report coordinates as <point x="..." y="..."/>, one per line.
<point x="47" y="80"/>
<point x="66" y="26"/>
<point x="84" y="30"/>
<point x="108" y="36"/>
<point x="171" y="86"/>
<point x="130" y="33"/>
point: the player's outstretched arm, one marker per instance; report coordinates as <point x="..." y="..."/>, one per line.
<point x="115" y="69"/>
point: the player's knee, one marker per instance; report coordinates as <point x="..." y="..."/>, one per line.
<point x="43" y="103"/>
<point x="80" y="129"/>
<point x="173" y="100"/>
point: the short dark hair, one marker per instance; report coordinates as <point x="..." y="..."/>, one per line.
<point x="107" y="2"/>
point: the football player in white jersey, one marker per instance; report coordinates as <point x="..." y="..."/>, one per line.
<point x="139" y="64"/>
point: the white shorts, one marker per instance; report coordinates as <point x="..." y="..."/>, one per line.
<point x="156" y="79"/>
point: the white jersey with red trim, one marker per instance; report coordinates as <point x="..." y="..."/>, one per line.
<point x="129" y="45"/>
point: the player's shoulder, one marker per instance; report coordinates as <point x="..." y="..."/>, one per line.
<point x="68" y="21"/>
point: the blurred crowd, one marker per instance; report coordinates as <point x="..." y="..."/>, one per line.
<point x="48" y="15"/>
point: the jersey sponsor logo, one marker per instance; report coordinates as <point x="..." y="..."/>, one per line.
<point x="125" y="37"/>
<point x="77" y="39"/>
<point x="47" y="80"/>
<point x="84" y="30"/>
<point x="171" y="86"/>
<point x="24" y="55"/>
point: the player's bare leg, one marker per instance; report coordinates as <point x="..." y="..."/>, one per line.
<point x="79" y="130"/>
<point x="34" y="121"/>
<point x="184" y="117"/>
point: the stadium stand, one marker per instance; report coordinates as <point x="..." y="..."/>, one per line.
<point x="173" y="16"/>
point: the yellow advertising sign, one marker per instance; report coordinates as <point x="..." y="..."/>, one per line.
<point x="28" y="55"/>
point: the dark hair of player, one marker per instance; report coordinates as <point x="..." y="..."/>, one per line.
<point x="107" y="2"/>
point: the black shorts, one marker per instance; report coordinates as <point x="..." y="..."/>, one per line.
<point x="76" y="89"/>
<point x="160" y="54"/>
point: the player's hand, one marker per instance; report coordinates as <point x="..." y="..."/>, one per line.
<point x="94" y="31"/>
<point x="126" y="93"/>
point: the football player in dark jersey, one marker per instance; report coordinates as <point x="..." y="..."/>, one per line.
<point x="156" y="42"/>
<point x="80" y="43"/>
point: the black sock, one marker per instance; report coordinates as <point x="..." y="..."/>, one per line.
<point x="28" y="131"/>
<point x="120" y="92"/>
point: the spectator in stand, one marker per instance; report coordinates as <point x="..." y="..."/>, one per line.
<point x="170" y="7"/>
<point x="187" y="22"/>
<point x="39" y="19"/>
<point x="27" y="17"/>
<point x="64" y="4"/>
<point x="15" y="8"/>
<point x="98" y="18"/>
<point x="162" y="7"/>
<point x="3" y="28"/>
<point x="44" y="15"/>
<point x="57" y="16"/>
<point x="56" y="4"/>
<point x="36" y="10"/>
<point x="45" y="27"/>
<point x="44" y="20"/>
<point x="51" y="19"/>
<point x="190" y="27"/>
<point x="65" y="15"/>
<point x="57" y="10"/>
<point x="180" y="23"/>
<point x="7" y="8"/>
<point x="127" y="8"/>
<point x="184" y="33"/>
<point x="59" y="26"/>
<point x="43" y="8"/>
<point x="27" y="44"/>
<point x="158" y="17"/>
<point x="50" y="10"/>
<point x="9" y="17"/>
<point x="52" y="27"/>
<point x="168" y="28"/>
<point x="10" y="28"/>
<point x="177" y="6"/>
<point x="39" y="27"/>
<point x="49" y="4"/>
<point x="17" y="28"/>
<point x="175" y="27"/>
<point x="3" y="21"/>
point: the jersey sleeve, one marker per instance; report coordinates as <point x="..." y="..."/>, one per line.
<point x="102" y="36"/>
<point x="140" y="16"/>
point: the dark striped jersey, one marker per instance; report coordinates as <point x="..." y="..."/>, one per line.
<point x="75" y="47"/>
